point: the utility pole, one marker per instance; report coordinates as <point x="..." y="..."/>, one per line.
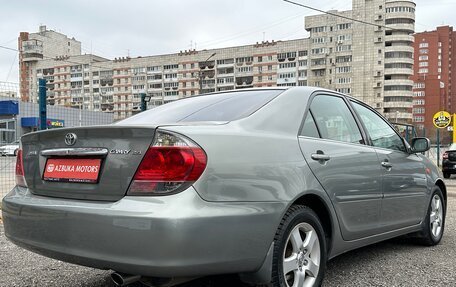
<point x="42" y="103"/>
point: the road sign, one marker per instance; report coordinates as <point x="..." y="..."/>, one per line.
<point x="442" y="119"/>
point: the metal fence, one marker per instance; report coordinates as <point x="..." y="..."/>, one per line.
<point x="18" y="118"/>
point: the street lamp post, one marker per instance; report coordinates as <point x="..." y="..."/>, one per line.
<point x="200" y="76"/>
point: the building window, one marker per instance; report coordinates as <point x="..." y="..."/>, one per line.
<point x="423" y="71"/>
<point x="318" y="29"/>
<point x="423" y="58"/>
<point x="346" y="69"/>
<point x="344" y="80"/>
<point x="287" y="65"/>
<point x="424" y="45"/>
<point x="419" y="85"/>
<point x="344" y="26"/>
<point x="318" y="51"/>
<point x="341" y="48"/>
<point x="423" y="64"/>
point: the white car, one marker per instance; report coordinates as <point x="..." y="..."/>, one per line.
<point x="9" y="149"/>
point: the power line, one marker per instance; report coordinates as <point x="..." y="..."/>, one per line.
<point x="11" y="68"/>
<point x="8" y="48"/>
<point x="246" y="33"/>
<point x="338" y="15"/>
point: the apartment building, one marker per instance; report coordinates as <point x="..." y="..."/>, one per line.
<point x="35" y="47"/>
<point x="435" y="75"/>
<point x="98" y="84"/>
<point x="368" y="61"/>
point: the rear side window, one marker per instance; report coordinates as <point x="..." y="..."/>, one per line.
<point x="216" y="107"/>
<point x="334" y="119"/>
<point x="309" y="129"/>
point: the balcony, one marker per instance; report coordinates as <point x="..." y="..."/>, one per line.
<point x="397" y="71"/>
<point x="399" y="116"/>
<point x="32" y="50"/>
<point x="399" y="60"/>
<point x="399" y="38"/>
<point x="402" y="26"/>
<point x="399" y="48"/>
<point x="402" y="82"/>
<point x="286" y="80"/>
<point x="397" y="104"/>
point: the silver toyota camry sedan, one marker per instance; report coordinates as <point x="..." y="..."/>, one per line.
<point x="266" y="183"/>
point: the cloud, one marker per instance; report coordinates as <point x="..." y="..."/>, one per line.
<point x="141" y="28"/>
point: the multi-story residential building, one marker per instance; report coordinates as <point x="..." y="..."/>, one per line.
<point x="34" y="47"/>
<point x="434" y="75"/>
<point x="369" y="61"/>
<point x="95" y="83"/>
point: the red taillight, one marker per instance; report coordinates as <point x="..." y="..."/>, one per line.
<point x="445" y="155"/>
<point x="20" y="179"/>
<point x="172" y="163"/>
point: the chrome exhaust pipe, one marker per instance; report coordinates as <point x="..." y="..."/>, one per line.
<point x="121" y="279"/>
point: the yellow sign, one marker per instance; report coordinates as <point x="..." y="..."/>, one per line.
<point x="441" y="119"/>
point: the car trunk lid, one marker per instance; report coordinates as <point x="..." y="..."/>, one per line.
<point x="99" y="165"/>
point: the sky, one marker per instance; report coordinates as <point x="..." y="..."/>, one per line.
<point x="111" y="29"/>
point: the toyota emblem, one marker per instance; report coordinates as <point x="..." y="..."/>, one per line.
<point x="70" y="139"/>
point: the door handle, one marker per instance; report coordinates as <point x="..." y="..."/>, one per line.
<point x="320" y="156"/>
<point x="386" y="164"/>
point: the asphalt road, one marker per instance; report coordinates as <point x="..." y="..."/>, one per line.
<point x="398" y="262"/>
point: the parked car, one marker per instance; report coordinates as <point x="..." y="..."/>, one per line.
<point x="265" y="183"/>
<point x="449" y="161"/>
<point x="10" y="149"/>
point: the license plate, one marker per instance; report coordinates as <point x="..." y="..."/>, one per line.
<point x="72" y="170"/>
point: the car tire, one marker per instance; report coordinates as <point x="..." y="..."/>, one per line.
<point x="434" y="223"/>
<point x="446" y="174"/>
<point x="300" y="249"/>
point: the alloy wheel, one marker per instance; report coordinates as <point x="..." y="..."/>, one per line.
<point x="301" y="258"/>
<point x="436" y="216"/>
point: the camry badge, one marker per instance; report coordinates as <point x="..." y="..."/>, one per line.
<point x="70" y="138"/>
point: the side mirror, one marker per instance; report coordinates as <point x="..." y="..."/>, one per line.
<point x="420" y="145"/>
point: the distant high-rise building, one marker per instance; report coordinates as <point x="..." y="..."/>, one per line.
<point x="34" y="47"/>
<point x="434" y="75"/>
<point x="371" y="62"/>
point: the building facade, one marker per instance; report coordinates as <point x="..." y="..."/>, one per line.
<point x="372" y="62"/>
<point x="435" y="75"/>
<point x="35" y="47"/>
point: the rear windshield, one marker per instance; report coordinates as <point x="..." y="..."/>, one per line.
<point x="216" y="107"/>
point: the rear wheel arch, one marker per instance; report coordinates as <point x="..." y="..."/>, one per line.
<point x="442" y="187"/>
<point x="318" y="205"/>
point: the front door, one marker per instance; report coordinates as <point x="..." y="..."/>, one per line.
<point x="404" y="180"/>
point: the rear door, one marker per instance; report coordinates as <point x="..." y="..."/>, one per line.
<point x="92" y="163"/>
<point x="404" y="180"/>
<point x="349" y="171"/>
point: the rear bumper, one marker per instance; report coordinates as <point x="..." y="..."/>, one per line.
<point x="448" y="166"/>
<point x="170" y="236"/>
